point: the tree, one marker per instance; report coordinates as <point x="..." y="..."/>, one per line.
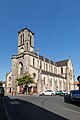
<point x="25" y="79"/>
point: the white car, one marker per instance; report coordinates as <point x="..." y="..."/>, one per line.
<point x="48" y="92"/>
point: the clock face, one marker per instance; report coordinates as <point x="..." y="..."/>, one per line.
<point x="22" y="50"/>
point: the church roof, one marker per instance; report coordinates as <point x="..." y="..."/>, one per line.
<point x="62" y="62"/>
<point x="26" y="29"/>
<point x="52" y="74"/>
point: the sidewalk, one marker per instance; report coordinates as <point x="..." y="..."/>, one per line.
<point x="2" y="111"/>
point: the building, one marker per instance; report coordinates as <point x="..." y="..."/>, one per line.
<point x="8" y="82"/>
<point x="47" y="74"/>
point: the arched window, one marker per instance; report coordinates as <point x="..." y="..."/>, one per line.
<point x="22" y="39"/>
<point x="9" y="78"/>
<point x="20" y="68"/>
<point x="34" y="75"/>
<point x="22" y="49"/>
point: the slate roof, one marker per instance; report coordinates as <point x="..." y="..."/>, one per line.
<point x="52" y="74"/>
<point x="46" y="59"/>
<point x="26" y="29"/>
<point x="62" y="62"/>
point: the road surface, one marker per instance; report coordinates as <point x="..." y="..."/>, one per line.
<point x="22" y="107"/>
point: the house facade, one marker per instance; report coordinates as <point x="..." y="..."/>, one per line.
<point x="47" y="74"/>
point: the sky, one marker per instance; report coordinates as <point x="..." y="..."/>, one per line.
<point x="56" y="24"/>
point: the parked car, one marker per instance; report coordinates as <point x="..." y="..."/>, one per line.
<point x="64" y="92"/>
<point x="75" y="95"/>
<point x="48" y="92"/>
<point x="61" y="92"/>
<point x="2" y="91"/>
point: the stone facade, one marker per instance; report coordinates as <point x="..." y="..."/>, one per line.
<point x="47" y="74"/>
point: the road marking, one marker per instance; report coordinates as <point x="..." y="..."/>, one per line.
<point x="70" y="110"/>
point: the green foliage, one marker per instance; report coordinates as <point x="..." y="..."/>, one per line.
<point x="25" y="79"/>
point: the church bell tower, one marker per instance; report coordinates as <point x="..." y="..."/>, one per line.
<point x="25" y="41"/>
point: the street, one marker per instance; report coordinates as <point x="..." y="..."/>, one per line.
<point x="22" y="107"/>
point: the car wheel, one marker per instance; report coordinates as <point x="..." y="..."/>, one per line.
<point x="42" y="94"/>
<point x="52" y="94"/>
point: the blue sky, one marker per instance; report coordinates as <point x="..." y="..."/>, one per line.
<point x="56" y="24"/>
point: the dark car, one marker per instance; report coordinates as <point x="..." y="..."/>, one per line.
<point x="59" y="92"/>
<point x="2" y="91"/>
<point x="75" y="95"/>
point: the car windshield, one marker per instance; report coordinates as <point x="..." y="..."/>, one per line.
<point x="48" y="91"/>
<point x="76" y="92"/>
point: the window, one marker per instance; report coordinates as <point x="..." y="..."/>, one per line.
<point x="27" y="46"/>
<point x="21" y="71"/>
<point x="33" y="62"/>
<point x="9" y="78"/>
<point x="20" y="68"/>
<point x="51" y="82"/>
<point x="44" y="80"/>
<point x="34" y="75"/>
<point x="30" y="40"/>
<point x="23" y="38"/>
<point x="40" y="64"/>
<point x="61" y="70"/>
<point x="22" y="49"/>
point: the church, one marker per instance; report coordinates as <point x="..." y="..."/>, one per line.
<point x="46" y="73"/>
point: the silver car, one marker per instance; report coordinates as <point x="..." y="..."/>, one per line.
<point x="75" y="95"/>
